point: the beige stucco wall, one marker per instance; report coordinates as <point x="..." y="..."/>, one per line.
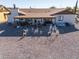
<point x="3" y="18"/>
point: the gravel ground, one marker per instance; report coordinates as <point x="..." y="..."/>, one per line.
<point x="65" y="46"/>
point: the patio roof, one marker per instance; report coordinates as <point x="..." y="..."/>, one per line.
<point x="34" y="16"/>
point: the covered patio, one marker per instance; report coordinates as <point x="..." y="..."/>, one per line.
<point x="35" y="25"/>
<point x="34" y="20"/>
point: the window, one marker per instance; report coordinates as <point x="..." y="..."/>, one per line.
<point x="4" y="16"/>
<point x="60" y="18"/>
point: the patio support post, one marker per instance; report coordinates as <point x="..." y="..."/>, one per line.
<point x="32" y="21"/>
<point x="54" y="25"/>
<point x="41" y="21"/>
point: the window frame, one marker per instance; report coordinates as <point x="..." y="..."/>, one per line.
<point x="60" y="18"/>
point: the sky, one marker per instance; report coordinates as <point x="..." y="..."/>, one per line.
<point x="39" y="3"/>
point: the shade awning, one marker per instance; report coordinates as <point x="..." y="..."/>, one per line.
<point x="21" y="17"/>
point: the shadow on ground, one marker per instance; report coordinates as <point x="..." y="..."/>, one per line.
<point x="67" y="29"/>
<point x="8" y="30"/>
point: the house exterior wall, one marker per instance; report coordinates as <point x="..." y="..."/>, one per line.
<point x="14" y="12"/>
<point x="3" y="17"/>
<point x="69" y="18"/>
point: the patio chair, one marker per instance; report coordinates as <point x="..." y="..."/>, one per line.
<point x="25" y="32"/>
<point x="54" y="28"/>
<point x="49" y="33"/>
<point x="36" y="30"/>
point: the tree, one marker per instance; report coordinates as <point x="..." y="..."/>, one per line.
<point x="69" y="8"/>
<point x="52" y="7"/>
<point x="75" y="8"/>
